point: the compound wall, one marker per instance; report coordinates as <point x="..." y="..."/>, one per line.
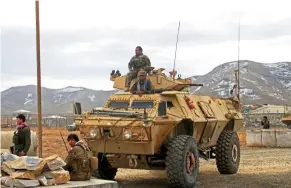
<point x="269" y="138"/>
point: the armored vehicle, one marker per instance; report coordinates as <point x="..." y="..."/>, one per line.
<point x="166" y="130"/>
<point x="287" y="120"/>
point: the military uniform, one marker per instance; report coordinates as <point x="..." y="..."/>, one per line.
<point x="135" y="65"/>
<point x="21" y="139"/>
<point x="266" y="124"/>
<point x="78" y="163"/>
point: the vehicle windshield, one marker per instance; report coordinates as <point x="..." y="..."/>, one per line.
<point x="118" y="104"/>
<point x="142" y="104"/>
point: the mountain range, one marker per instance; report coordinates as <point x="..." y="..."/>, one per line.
<point x="260" y="83"/>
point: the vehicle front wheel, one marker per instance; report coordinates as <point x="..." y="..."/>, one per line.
<point x="228" y="153"/>
<point x="104" y="170"/>
<point x="182" y="162"/>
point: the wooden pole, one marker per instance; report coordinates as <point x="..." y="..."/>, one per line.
<point x="39" y="117"/>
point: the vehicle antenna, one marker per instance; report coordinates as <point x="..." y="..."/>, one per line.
<point x="176" y="51"/>
<point x="238" y="52"/>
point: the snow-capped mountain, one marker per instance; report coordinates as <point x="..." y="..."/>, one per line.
<point x="54" y="100"/>
<point x="259" y="82"/>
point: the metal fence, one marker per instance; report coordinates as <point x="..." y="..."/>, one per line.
<point x="8" y="121"/>
<point x="254" y="120"/>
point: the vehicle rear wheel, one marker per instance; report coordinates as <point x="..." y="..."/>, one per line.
<point x="104" y="170"/>
<point x="182" y="162"/>
<point x="228" y="153"/>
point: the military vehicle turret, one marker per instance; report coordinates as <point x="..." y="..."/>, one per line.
<point x="166" y="130"/>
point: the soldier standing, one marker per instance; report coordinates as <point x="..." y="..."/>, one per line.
<point x="265" y="122"/>
<point x="21" y="137"/>
<point x="137" y="62"/>
<point x="78" y="162"/>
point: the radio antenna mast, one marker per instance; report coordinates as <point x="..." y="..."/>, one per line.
<point x="238" y="52"/>
<point x="176" y="51"/>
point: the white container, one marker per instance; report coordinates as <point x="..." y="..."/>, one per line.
<point x="268" y="137"/>
<point x="254" y="138"/>
<point x="283" y="137"/>
<point x="6" y="142"/>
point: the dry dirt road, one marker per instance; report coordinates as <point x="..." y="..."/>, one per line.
<point x="259" y="168"/>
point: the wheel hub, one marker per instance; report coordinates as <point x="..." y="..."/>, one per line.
<point x="234" y="153"/>
<point x="190" y="162"/>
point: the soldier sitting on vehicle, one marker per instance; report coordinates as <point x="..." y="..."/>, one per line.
<point x="21" y="137"/>
<point x="142" y="85"/>
<point x="78" y="162"/>
<point x="137" y="62"/>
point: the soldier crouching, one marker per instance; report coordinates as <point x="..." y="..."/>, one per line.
<point x="78" y="162"/>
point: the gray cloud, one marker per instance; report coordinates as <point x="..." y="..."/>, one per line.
<point x="18" y="47"/>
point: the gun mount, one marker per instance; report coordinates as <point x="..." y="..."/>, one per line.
<point x="160" y="81"/>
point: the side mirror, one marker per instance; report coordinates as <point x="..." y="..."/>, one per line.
<point x="162" y="109"/>
<point x="77" y="108"/>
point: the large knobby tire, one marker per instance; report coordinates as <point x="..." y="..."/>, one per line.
<point x="182" y="162"/>
<point x="228" y="153"/>
<point x="104" y="170"/>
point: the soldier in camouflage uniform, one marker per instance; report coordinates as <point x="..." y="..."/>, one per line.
<point x="78" y="162"/>
<point x="137" y="62"/>
<point x="21" y="137"/>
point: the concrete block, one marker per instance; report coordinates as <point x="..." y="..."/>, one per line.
<point x="283" y="138"/>
<point x="254" y="138"/>
<point x="93" y="183"/>
<point x="268" y="137"/>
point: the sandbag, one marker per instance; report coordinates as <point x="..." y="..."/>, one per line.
<point x="42" y="180"/>
<point x="54" y="162"/>
<point x="24" y="162"/>
<point x="10" y="182"/>
<point x="57" y="177"/>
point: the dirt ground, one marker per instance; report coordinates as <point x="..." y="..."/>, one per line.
<point x="259" y="167"/>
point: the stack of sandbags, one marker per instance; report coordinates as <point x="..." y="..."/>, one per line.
<point x="29" y="171"/>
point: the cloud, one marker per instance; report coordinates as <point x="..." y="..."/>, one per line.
<point x="82" y="43"/>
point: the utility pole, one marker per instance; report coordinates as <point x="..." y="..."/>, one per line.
<point x="39" y="114"/>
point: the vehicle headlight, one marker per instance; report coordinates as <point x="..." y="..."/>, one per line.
<point x="93" y="133"/>
<point x="127" y="134"/>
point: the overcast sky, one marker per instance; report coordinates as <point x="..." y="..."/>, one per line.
<point x="83" y="40"/>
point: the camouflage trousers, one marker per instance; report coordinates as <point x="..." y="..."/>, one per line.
<point x="81" y="176"/>
<point x="130" y="76"/>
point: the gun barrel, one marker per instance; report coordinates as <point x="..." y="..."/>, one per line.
<point x="191" y="84"/>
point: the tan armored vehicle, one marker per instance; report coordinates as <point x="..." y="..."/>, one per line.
<point x="287" y="120"/>
<point x="167" y="130"/>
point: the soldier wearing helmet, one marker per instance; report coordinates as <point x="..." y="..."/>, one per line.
<point x="137" y="62"/>
<point x="142" y="85"/>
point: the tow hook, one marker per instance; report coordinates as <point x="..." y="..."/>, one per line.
<point x="132" y="161"/>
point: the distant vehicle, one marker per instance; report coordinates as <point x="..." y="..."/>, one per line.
<point x="71" y="127"/>
<point x="169" y="129"/>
